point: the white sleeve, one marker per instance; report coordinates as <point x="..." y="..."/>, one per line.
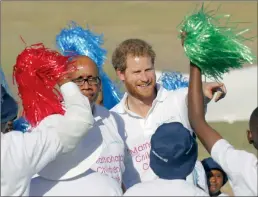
<point x="78" y="118"/>
<point x="239" y="165"/>
<point x="54" y="134"/>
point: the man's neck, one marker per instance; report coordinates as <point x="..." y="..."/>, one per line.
<point x="140" y="107"/>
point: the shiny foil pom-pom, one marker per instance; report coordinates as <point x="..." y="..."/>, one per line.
<point x="173" y="80"/>
<point x="78" y="41"/>
<point x="213" y="44"/>
<point x="112" y="92"/>
<point x="36" y="73"/>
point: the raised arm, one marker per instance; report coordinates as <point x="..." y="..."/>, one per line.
<point x="205" y="133"/>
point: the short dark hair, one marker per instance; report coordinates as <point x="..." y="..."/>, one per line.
<point x="134" y="47"/>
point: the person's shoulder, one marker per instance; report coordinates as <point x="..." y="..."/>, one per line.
<point x="193" y="190"/>
<point x="139" y="189"/>
<point x="117" y="107"/>
<point x="117" y="112"/>
<point x="101" y="110"/>
<point x="181" y="92"/>
<point x="13" y="147"/>
<point x="11" y="137"/>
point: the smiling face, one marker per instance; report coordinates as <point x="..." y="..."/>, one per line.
<point x="139" y="77"/>
<point x="215" y="181"/>
<point x="86" y="77"/>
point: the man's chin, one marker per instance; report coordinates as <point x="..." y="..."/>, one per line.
<point x="141" y="96"/>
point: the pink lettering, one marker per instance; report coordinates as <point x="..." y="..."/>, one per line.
<point x="138" y="158"/>
<point x="140" y="148"/>
<point x="134" y="151"/>
<point x="110" y="159"/>
<point x="99" y="169"/>
<point x="146" y="166"/>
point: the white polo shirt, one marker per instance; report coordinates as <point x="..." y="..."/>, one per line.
<point x="69" y="168"/>
<point x="240" y="167"/>
<point x="25" y="154"/>
<point x="162" y="187"/>
<point x="168" y="106"/>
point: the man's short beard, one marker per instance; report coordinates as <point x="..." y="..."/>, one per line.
<point x="131" y="90"/>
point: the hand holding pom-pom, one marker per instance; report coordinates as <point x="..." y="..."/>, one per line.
<point x="37" y="71"/>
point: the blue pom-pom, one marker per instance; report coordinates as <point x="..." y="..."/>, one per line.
<point x="112" y="93"/>
<point x="173" y="80"/>
<point x="76" y="40"/>
<point x="21" y="124"/>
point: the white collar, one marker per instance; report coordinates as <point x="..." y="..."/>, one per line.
<point x="162" y="94"/>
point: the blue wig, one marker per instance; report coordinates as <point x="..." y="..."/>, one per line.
<point x="75" y="41"/>
<point x="173" y="80"/>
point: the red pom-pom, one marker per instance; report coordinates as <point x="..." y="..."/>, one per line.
<point x="36" y="72"/>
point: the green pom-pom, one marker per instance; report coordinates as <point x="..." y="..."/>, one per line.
<point x="215" y="49"/>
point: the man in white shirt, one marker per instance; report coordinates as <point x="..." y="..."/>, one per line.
<point x="103" y="148"/>
<point x="144" y="107"/>
<point x="239" y="165"/>
<point x="25" y="154"/>
<point x="172" y="158"/>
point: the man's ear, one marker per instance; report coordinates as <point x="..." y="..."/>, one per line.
<point x="120" y="75"/>
<point x="249" y="136"/>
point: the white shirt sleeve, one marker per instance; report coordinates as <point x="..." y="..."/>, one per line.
<point x="78" y="118"/>
<point x="54" y="134"/>
<point x="239" y="165"/>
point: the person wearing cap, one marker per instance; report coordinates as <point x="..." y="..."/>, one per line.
<point x="25" y="154"/>
<point x="172" y="158"/>
<point x="216" y="177"/>
<point x="240" y="166"/>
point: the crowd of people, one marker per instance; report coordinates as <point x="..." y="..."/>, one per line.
<point x="146" y="145"/>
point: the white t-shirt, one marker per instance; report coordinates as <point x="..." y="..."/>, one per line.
<point x="25" y="154"/>
<point x="95" y="184"/>
<point x="240" y="167"/>
<point x="68" y="168"/>
<point x="169" y="106"/>
<point x="162" y="187"/>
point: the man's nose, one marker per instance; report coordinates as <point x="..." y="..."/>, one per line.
<point x="144" y="77"/>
